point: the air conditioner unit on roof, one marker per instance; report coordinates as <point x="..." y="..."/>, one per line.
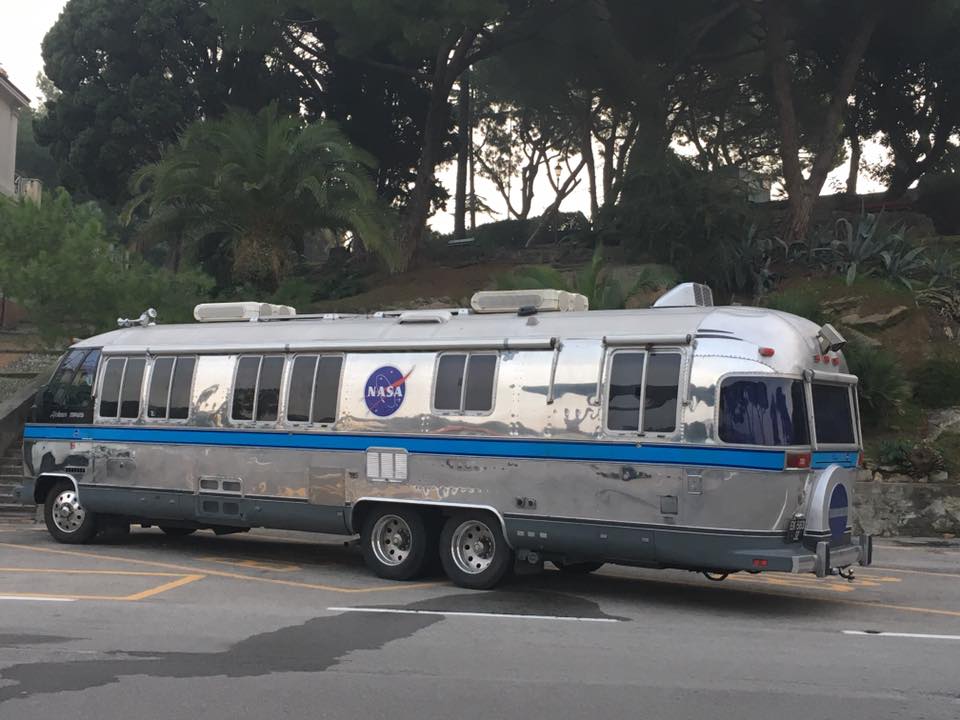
<point x="239" y="311"/>
<point x="511" y="301"/>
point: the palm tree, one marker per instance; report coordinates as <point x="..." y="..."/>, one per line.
<point x="255" y="186"/>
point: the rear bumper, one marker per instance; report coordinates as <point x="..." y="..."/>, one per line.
<point x="826" y="558"/>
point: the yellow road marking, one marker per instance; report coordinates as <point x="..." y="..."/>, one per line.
<point x="253" y="564"/>
<point x="58" y="571"/>
<point x="149" y="592"/>
<point x="954" y="576"/>
<point x="185" y="580"/>
<point x="223" y="573"/>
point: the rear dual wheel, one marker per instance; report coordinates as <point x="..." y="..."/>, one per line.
<point x="399" y="543"/>
<point x="473" y="551"/>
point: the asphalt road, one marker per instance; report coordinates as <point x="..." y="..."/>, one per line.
<point x="288" y="625"/>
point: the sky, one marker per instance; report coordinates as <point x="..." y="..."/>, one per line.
<point x="26" y="22"/>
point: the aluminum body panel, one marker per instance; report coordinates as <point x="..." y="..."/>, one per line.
<point x="550" y="460"/>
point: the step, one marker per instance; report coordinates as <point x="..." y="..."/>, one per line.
<point x="15" y="510"/>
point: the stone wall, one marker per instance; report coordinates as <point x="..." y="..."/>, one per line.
<point x="915" y="509"/>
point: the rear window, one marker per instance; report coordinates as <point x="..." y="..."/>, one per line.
<point x="763" y="411"/>
<point x="832" y="414"/>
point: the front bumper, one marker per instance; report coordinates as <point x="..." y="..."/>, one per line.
<point x="23" y="493"/>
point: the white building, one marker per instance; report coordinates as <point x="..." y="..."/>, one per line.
<point x="11" y="101"/>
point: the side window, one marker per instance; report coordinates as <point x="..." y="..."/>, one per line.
<point x="314" y="388"/>
<point x="245" y="388"/>
<point x="181" y="388"/>
<point x="662" y="393"/>
<point x="160" y="387"/>
<point x="326" y="389"/>
<point x="256" y="392"/>
<point x="68" y="397"/>
<point x="120" y="391"/>
<point x="626" y="388"/>
<point x="130" y="391"/>
<point x="763" y="411"/>
<point x="268" y="388"/>
<point x="465" y="382"/>
<point x="110" y="389"/>
<point x="170" y="386"/>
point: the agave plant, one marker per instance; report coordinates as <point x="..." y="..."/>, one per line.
<point x="901" y="262"/>
<point x="857" y="246"/>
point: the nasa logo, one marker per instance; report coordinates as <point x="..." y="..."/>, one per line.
<point x="385" y="389"/>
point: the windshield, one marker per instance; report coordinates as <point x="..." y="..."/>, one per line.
<point x="763" y="411"/>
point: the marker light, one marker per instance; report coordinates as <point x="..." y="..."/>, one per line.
<point x="798" y="460"/>
<point x="759" y="562"/>
<point x="767" y="352"/>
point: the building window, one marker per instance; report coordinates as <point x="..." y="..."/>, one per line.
<point x="465" y="382"/>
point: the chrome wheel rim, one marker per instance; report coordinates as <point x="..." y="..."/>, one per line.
<point x="68" y="513"/>
<point x="473" y="547"/>
<point x="392" y="540"/>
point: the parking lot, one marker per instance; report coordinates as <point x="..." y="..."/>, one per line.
<point x="293" y="625"/>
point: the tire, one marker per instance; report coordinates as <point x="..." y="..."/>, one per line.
<point x="473" y="551"/>
<point x="577" y="568"/>
<point x="177" y="531"/>
<point x="396" y="543"/>
<point x="66" y="519"/>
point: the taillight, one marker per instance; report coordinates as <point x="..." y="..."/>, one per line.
<point x="799" y="460"/>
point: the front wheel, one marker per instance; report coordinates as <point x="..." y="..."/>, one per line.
<point x="67" y="520"/>
<point x="395" y="543"/>
<point x="474" y="552"/>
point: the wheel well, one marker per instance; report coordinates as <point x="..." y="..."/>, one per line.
<point x="45" y="483"/>
<point x="436" y="513"/>
<point x="363" y="508"/>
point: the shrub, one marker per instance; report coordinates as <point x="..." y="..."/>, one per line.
<point x="939" y="196"/>
<point x="917" y="459"/>
<point x="937" y="382"/>
<point x="679" y="215"/>
<point x="882" y="388"/>
<point x="74" y="278"/>
<point x="798" y="301"/>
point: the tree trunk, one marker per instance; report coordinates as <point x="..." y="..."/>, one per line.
<point x="802" y="193"/>
<point x="855" y="149"/>
<point x="463" y="156"/>
<point x="418" y="204"/>
<point x="586" y="150"/>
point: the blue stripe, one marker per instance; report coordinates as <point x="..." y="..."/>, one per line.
<point x="844" y="459"/>
<point x="433" y="445"/>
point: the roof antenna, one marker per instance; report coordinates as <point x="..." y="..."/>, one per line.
<point x="147" y="317"/>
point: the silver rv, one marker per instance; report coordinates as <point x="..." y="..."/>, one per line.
<point x="523" y="430"/>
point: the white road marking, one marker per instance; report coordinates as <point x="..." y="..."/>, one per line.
<point x="922" y="636"/>
<point x="451" y="613"/>
<point x="35" y="598"/>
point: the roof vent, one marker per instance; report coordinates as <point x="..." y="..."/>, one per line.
<point x="686" y="295"/>
<point x="238" y="311"/>
<point x="511" y="301"/>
